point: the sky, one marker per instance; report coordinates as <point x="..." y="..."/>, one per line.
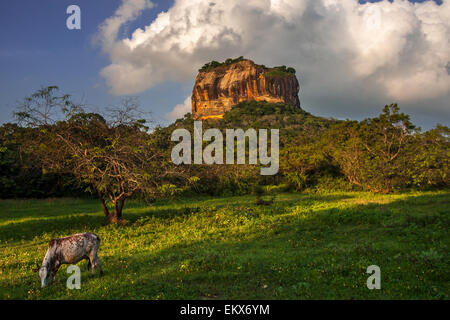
<point x="351" y="57"/>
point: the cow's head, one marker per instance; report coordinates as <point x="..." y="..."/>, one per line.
<point x="44" y="274"/>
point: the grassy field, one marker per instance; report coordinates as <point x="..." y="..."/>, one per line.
<point x="314" y="246"/>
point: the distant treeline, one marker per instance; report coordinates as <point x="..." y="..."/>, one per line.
<point x="382" y="154"/>
<point x="115" y="157"/>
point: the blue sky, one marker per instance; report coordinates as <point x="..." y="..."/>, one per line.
<point x="38" y="50"/>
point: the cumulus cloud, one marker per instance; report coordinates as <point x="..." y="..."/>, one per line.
<point x="396" y="51"/>
<point x="405" y="47"/>
<point x="128" y="11"/>
<point x="180" y="109"/>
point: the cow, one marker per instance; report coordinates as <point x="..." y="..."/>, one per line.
<point x="69" y="250"/>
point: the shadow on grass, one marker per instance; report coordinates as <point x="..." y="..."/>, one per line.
<point x="323" y="254"/>
<point x="27" y="230"/>
<point x="44" y="208"/>
<point x="320" y="254"/>
<point x="403" y="236"/>
<point x="173" y="209"/>
<point x="87" y="218"/>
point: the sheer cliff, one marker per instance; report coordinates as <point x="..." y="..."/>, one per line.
<point x="221" y="86"/>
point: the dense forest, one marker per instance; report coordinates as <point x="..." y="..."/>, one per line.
<point x="57" y="148"/>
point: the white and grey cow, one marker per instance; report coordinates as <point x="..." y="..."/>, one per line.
<point x="69" y="250"/>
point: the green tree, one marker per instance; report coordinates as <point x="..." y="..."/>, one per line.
<point x="373" y="154"/>
<point x="299" y="163"/>
<point x="114" y="155"/>
<point x="431" y="158"/>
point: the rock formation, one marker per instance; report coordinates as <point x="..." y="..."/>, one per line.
<point x="218" y="88"/>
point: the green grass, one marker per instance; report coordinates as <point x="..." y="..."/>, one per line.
<point x="315" y="246"/>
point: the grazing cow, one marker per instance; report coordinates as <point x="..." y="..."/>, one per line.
<point x="69" y="250"/>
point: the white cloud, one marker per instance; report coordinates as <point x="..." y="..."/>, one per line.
<point x="180" y="109"/>
<point x="406" y="50"/>
<point x="128" y="11"/>
<point x="392" y="51"/>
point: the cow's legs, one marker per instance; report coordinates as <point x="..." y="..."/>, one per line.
<point x="98" y="265"/>
<point x="95" y="262"/>
<point x="55" y="270"/>
<point x="92" y="265"/>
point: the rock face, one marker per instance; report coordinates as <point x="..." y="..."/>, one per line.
<point x="218" y="89"/>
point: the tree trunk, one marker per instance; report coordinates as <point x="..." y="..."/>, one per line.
<point x="116" y="216"/>
<point x="118" y="208"/>
<point x="105" y="208"/>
